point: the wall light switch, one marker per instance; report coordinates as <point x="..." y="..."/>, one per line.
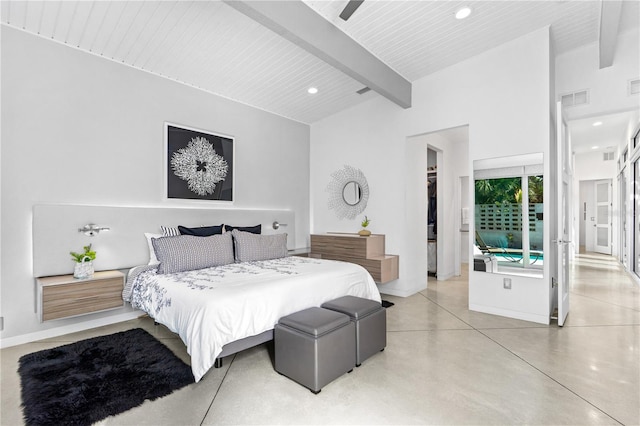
<point x="506" y="283"/>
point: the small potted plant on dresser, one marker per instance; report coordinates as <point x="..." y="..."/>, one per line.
<point x="84" y="263"/>
<point x="364" y="232"/>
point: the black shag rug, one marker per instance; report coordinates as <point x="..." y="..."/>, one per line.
<point x="87" y="381"/>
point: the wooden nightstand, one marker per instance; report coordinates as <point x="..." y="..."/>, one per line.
<point x="63" y="296"/>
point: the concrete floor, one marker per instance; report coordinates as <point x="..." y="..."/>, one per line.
<point x="443" y="365"/>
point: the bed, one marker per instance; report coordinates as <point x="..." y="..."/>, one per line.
<point x="236" y="302"/>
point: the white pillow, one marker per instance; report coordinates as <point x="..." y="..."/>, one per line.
<point x="167" y="231"/>
<point x="153" y="259"/>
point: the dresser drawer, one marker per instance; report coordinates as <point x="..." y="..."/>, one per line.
<point x="348" y="245"/>
<point x="368" y="252"/>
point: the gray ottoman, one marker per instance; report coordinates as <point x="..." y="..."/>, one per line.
<point x="370" y="319"/>
<point x="315" y="346"/>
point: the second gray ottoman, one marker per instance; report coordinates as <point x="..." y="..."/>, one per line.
<point x="315" y="346"/>
<point x="370" y="319"/>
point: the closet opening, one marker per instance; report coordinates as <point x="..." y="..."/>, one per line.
<point x="436" y="162"/>
<point x="432" y="212"/>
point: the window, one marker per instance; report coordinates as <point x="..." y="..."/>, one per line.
<point x="509" y="219"/>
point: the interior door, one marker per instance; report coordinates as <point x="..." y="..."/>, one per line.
<point x="563" y="214"/>
<point x="603" y="217"/>
<point x="622" y="191"/>
<point x="636" y="217"/>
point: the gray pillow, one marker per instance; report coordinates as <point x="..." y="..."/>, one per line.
<point x="250" y="247"/>
<point x="188" y="252"/>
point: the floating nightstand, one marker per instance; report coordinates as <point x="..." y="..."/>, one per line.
<point x="63" y="296"/>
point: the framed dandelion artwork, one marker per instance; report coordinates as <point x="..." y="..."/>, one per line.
<point x="198" y="164"/>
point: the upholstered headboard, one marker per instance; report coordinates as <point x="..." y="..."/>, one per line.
<point x="55" y="231"/>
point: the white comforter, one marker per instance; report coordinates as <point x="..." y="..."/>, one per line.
<point x="211" y="307"/>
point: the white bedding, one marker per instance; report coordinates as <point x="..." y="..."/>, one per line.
<point x="211" y="307"/>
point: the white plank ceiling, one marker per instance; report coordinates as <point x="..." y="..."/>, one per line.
<point x="211" y="46"/>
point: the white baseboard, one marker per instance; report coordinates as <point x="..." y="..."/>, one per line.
<point x="444" y="277"/>
<point x="540" y="319"/>
<point x="403" y="292"/>
<point x="73" y="328"/>
<point x="633" y="276"/>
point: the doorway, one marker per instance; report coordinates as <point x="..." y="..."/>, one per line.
<point x="446" y="152"/>
<point x="432" y="212"/>
<point x="596" y="216"/>
<point x="603" y="225"/>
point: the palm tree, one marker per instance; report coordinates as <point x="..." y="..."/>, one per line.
<point x="535" y="189"/>
<point x="498" y="191"/>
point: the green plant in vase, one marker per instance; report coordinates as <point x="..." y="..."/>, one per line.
<point x="84" y="262"/>
<point x="364" y="232"/>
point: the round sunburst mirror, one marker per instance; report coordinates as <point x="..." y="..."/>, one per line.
<point x="348" y="192"/>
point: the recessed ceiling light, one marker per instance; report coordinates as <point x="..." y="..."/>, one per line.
<point x="463" y="12"/>
<point x="594" y="147"/>
<point x="312" y="90"/>
<point x="597" y="123"/>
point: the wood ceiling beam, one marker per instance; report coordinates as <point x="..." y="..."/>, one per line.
<point x="609" y="22"/>
<point x="301" y="25"/>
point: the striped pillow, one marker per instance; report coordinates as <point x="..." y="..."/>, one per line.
<point x="188" y="252"/>
<point x="168" y="231"/>
<point x="250" y="247"/>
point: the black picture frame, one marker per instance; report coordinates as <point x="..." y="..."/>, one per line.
<point x="198" y="164"/>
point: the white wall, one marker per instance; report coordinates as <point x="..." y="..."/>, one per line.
<point x="80" y="129"/>
<point x="503" y="95"/>
<point x="579" y="69"/>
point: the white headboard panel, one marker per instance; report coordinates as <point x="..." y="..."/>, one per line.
<point x="55" y="231"/>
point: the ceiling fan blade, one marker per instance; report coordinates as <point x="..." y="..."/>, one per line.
<point x="350" y="8"/>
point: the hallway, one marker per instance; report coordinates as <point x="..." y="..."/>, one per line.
<point x="595" y="356"/>
<point x="443" y="365"/>
<point x="602" y="293"/>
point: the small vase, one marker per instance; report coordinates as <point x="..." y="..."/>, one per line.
<point x="364" y="232"/>
<point x="83" y="270"/>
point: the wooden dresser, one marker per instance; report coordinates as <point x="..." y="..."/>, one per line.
<point x="63" y="296"/>
<point x="368" y="252"/>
